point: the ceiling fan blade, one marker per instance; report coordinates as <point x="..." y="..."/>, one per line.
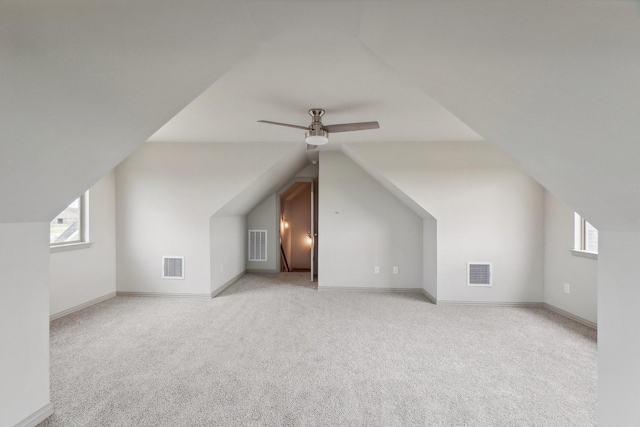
<point x="348" y="127"/>
<point x="284" y="124"/>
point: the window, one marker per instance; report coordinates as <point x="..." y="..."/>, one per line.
<point x="586" y="236"/>
<point x="69" y="226"/>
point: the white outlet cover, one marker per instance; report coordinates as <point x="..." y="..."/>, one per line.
<point x="567" y="288"/>
<point x="376" y="269"/>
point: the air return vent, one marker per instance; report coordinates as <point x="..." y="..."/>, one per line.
<point x="257" y="245"/>
<point x="173" y="267"/>
<point x="479" y="274"/>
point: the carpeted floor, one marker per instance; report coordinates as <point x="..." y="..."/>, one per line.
<point x="271" y="350"/>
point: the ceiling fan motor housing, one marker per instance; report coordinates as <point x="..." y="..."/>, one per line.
<point x="316" y="135"/>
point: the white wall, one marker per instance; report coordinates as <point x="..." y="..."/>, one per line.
<point x="430" y="256"/>
<point x="618" y="334"/>
<point x="166" y="195"/>
<point x="362" y="225"/>
<point x="562" y="267"/>
<point x="265" y="217"/>
<point x="309" y="171"/>
<point x="24" y="320"/>
<point x="228" y="241"/>
<point x="486" y="209"/>
<point x="79" y="276"/>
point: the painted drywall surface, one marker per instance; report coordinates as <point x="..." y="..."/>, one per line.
<point x="265" y="217"/>
<point x="487" y="211"/>
<point x="528" y="98"/>
<point x="430" y="256"/>
<point x="271" y="181"/>
<point x="562" y="267"/>
<point x="309" y="171"/>
<point x="166" y="195"/>
<point x="362" y="225"/>
<point x="24" y="320"/>
<point x="618" y="334"/>
<point x="228" y="249"/>
<point x="82" y="275"/>
<point x="92" y="89"/>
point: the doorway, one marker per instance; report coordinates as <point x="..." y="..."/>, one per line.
<point x="298" y="225"/>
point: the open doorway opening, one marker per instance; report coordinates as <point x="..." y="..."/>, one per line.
<point x="298" y="235"/>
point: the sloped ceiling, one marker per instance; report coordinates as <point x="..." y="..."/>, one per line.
<point x="82" y="84"/>
<point x="554" y="84"/>
<point x="290" y="74"/>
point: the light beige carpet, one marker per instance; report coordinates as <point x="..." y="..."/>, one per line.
<point x="271" y="350"/>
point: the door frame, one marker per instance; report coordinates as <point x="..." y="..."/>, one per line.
<point x="314" y="189"/>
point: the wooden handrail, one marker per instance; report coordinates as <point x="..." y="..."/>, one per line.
<point x="284" y="257"/>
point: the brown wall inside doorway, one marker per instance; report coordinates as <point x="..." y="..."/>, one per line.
<point x="295" y="206"/>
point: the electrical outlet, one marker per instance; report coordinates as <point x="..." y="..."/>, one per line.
<point x="376" y="269"/>
<point x="221" y="268"/>
<point x="567" y="288"/>
<point x="395" y="269"/>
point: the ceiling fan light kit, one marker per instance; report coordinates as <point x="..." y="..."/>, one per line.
<point x="317" y="134"/>
<point x="314" y="137"/>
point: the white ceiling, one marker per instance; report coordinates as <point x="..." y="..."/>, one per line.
<point x="554" y="84"/>
<point x="291" y="73"/>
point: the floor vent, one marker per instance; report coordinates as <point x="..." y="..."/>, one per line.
<point x="257" y="245"/>
<point x="172" y="267"/>
<point x="479" y="274"/>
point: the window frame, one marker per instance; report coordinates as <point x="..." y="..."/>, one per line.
<point x="83" y="235"/>
<point x="580" y="238"/>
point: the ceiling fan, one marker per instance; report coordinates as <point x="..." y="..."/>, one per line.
<point x="318" y="134"/>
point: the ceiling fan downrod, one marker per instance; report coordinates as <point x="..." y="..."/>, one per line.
<point x="316" y="135"/>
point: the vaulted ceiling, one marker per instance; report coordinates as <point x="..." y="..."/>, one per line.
<point x="554" y="84"/>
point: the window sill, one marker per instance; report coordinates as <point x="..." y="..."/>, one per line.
<point x="71" y="247"/>
<point x="584" y="254"/>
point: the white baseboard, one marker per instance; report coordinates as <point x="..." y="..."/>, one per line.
<point x="520" y="304"/>
<point x="180" y="295"/>
<point x="573" y="317"/>
<point x="489" y="303"/>
<point x="261" y="271"/>
<point x="226" y="285"/>
<point x="37" y="417"/>
<point x="429" y="296"/>
<point x="160" y="294"/>
<point x="370" y="289"/>
<point x="81" y="306"/>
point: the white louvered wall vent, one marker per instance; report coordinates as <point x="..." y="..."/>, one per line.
<point x="257" y="245"/>
<point x="173" y="267"/>
<point x="478" y="274"/>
